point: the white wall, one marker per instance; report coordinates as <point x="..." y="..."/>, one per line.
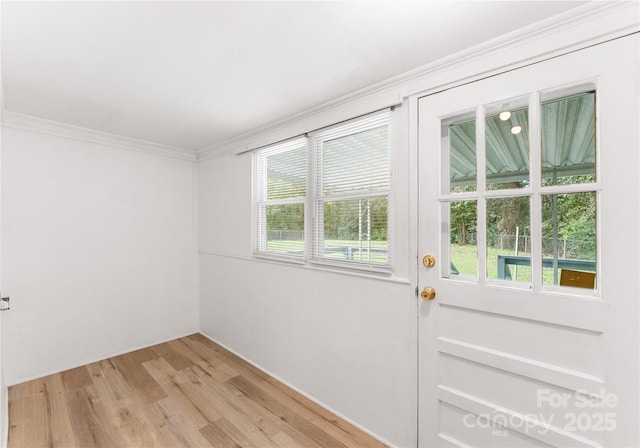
<point x="99" y="259"/>
<point x="347" y="341"/>
<point x="98" y="251"/>
<point x="4" y="398"/>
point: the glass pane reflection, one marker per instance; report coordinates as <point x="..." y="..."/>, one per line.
<point x="462" y="156"/>
<point x="462" y="238"/>
<point x="568" y="237"/>
<point x="508" y="239"/>
<point x="569" y="140"/>
<point x="507" y="148"/>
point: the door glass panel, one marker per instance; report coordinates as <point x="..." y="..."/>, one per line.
<point x="569" y="239"/>
<point x="567" y="153"/>
<point x="569" y="140"/>
<point x="461" y="238"/>
<point x="462" y="155"/>
<point x="508" y="239"/>
<point x="507" y="146"/>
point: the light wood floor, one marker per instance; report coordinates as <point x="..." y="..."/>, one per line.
<point x="189" y="392"/>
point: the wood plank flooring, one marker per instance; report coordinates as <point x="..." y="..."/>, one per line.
<point x="189" y="392"/>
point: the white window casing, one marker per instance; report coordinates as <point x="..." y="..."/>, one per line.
<point x="325" y="198"/>
<point x="280" y="197"/>
<point x="352" y="183"/>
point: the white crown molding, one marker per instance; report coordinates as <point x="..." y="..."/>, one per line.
<point x="591" y="24"/>
<point x="219" y="151"/>
<point x="30" y="123"/>
<point x="578" y="28"/>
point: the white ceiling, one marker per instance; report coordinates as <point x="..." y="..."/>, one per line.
<point x="194" y="74"/>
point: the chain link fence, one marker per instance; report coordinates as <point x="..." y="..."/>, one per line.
<point x="567" y="248"/>
<point x="285" y="235"/>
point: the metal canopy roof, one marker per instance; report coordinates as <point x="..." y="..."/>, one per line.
<point x="568" y="148"/>
<point x="568" y="143"/>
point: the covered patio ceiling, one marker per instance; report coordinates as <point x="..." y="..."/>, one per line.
<point x="568" y="142"/>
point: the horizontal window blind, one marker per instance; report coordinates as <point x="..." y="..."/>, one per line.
<point x="352" y="185"/>
<point x="281" y="172"/>
<point x="340" y="204"/>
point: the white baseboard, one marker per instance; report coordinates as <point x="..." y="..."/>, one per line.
<point x="303" y="393"/>
<point x="133" y="348"/>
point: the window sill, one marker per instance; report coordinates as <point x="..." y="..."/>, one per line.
<point x="289" y="259"/>
<point x="338" y="265"/>
<point x="381" y="270"/>
<point x="383" y="273"/>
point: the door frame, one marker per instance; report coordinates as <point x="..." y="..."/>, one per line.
<point x="414" y="125"/>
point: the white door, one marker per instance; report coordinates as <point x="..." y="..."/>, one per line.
<point x="529" y="200"/>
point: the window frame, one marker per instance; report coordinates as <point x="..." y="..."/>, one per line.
<point x="261" y="202"/>
<point x="351" y="127"/>
<point x="535" y="191"/>
<point x="313" y="224"/>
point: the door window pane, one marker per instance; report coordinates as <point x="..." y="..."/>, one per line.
<point x="507" y="147"/>
<point x="567" y="155"/>
<point x="508" y="239"/>
<point x="569" y="140"/>
<point x="461" y="238"/>
<point x="462" y="155"/>
<point x="569" y="239"/>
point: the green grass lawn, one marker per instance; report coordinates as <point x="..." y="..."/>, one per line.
<point x="279" y="246"/>
<point x="463" y="257"/>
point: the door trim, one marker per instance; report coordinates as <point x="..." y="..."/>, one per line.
<point x="588" y="381"/>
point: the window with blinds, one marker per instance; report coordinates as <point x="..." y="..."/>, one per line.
<point x="345" y="196"/>
<point x="280" y="198"/>
<point x="352" y="186"/>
